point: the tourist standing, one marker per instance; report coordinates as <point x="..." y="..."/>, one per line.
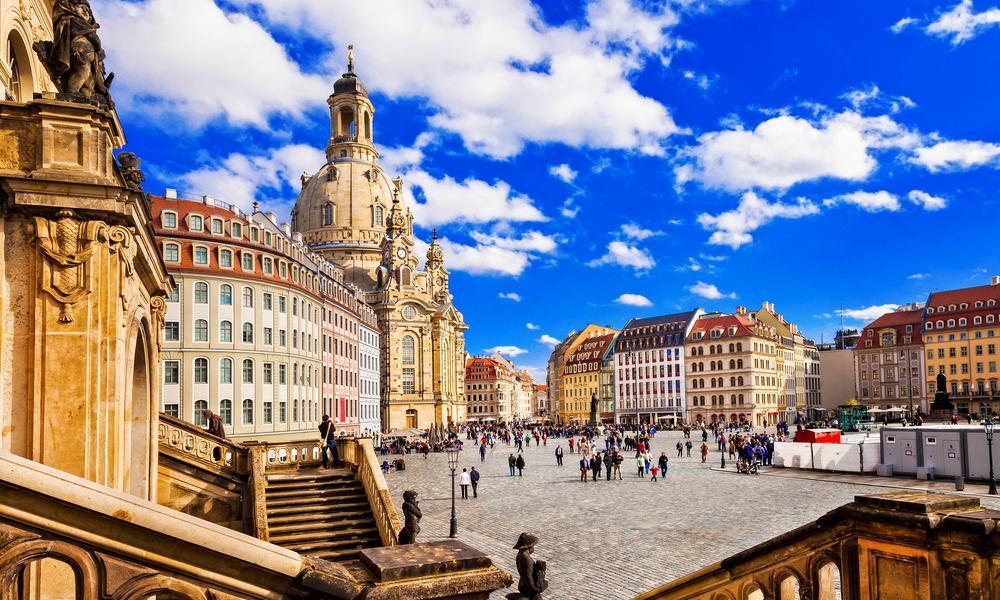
<point x="520" y="465"/>
<point x="680" y="450"/>
<point x="474" y="477"/>
<point x="559" y="455"/>
<point x="325" y="430"/>
<point x="704" y="451"/>
<point x="663" y="463"/>
<point x="482" y="453"/>
<point x="584" y="468"/>
<point x="511" y="463"/>
<point x="607" y="464"/>
<point x="617" y="461"/>
<point x="463" y="481"/>
<point x="640" y="463"/>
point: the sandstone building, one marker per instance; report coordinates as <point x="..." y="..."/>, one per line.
<point x="889" y="361"/>
<point x="352" y="213"/>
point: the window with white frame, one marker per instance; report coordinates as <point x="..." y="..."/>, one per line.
<point x="171" y="253"/>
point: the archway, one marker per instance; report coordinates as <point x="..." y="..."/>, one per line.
<point x="22" y="85"/>
<point x="788" y="588"/>
<point x="753" y="592"/>
<point x="138" y="415"/>
<point x="828" y="582"/>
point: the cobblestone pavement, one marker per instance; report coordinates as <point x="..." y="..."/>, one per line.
<point x="614" y="539"/>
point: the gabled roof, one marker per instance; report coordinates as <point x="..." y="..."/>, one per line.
<point x="967" y="295"/>
<point x="591" y="350"/>
<point x="897" y="321"/>
<point x="744" y="326"/>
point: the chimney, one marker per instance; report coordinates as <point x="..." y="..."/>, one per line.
<point x="286" y="229"/>
<point x="273" y="217"/>
<point x="995" y="280"/>
<point x="209" y="200"/>
<point x="741" y="310"/>
<point x="234" y="209"/>
<point x="297" y="237"/>
<point x="171" y="193"/>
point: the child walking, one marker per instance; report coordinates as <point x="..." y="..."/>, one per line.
<point x="654" y="470"/>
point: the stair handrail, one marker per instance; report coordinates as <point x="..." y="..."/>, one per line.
<point x="193" y="442"/>
<point x="377" y="490"/>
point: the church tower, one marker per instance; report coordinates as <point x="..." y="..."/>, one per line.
<point x="353" y="214"/>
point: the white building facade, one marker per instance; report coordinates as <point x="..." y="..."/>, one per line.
<point x="369" y="374"/>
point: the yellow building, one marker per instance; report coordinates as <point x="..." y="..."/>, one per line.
<point x="732" y="370"/>
<point x="960" y="340"/>
<point x="582" y="375"/>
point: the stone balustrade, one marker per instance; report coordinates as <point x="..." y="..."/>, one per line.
<point x="195" y="444"/>
<point x="913" y="545"/>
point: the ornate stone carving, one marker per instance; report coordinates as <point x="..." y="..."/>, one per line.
<point x="75" y="58"/>
<point x="128" y="164"/>
<point x="66" y="247"/>
<point x="531" y="573"/>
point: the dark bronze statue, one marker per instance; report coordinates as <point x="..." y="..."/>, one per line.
<point x="75" y="58"/>
<point x="593" y="410"/>
<point x="411" y="512"/>
<point x="531" y="573"/>
<point x="942" y="383"/>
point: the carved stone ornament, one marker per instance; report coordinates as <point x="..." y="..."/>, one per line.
<point x="332" y="174"/>
<point x="74" y="58"/>
<point x="66" y="245"/>
<point x="371" y="175"/>
<point x="128" y="164"/>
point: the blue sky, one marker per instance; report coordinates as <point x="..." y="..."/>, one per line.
<point x="594" y="161"/>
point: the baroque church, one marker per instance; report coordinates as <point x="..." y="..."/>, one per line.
<point x="353" y="214"/>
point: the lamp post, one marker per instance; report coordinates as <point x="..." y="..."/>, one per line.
<point x="990" y="425"/>
<point x="452" y="453"/>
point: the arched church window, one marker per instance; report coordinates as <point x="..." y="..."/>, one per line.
<point x="378" y="216"/>
<point x="20" y="88"/>
<point x="368" y="126"/>
<point x="14" y="89"/>
<point x="327" y="214"/>
<point x="408" y="350"/>
<point x="404" y="275"/>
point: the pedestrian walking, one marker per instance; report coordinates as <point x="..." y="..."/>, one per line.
<point x="607" y="464"/>
<point x="520" y="465"/>
<point x="680" y="450"/>
<point x="511" y="463"/>
<point x="463" y="481"/>
<point x="329" y="442"/>
<point x="704" y="451"/>
<point x="474" y="478"/>
<point x="663" y="463"/>
<point x="688" y="446"/>
<point x="640" y="463"/>
<point x="482" y="453"/>
<point x="653" y="472"/>
<point x="595" y="466"/>
<point x="584" y="468"/>
<point x="571" y="445"/>
<point x="617" y="461"/>
<point x="559" y="455"/>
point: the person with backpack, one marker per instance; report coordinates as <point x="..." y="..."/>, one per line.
<point x="329" y="443"/>
<point x="474" y="478"/>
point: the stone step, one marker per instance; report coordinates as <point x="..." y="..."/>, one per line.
<point x="339" y="556"/>
<point x="326" y="490"/>
<point x="330" y="527"/>
<point x="320" y="514"/>
<point x="318" y="540"/>
<point x="307" y="484"/>
<point x="310" y="475"/>
<point x="312" y="504"/>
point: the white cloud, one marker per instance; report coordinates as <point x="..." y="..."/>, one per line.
<point x="867" y="314"/>
<point x="189" y="59"/>
<point x="446" y="200"/>
<point x="733" y="228"/>
<point x="399" y="159"/>
<point x="620" y="253"/>
<point x="867" y="201"/>
<point x="564" y="172"/>
<point x="633" y="300"/>
<point x="712" y="258"/>
<point x="512" y="296"/>
<point x="709" y="291"/>
<point x="633" y="231"/>
<point x="497" y="74"/>
<point x="569" y="209"/>
<point x="919" y="276"/>
<point x="699" y="79"/>
<point x="530" y="241"/>
<point x="873" y="97"/>
<point x="548" y="340"/>
<point x="508" y="351"/>
<point x="785" y="150"/>
<point x="240" y="179"/>
<point x="675" y="222"/>
<point x="495" y="254"/>
<point x="693" y="265"/>
<point x="902" y="24"/>
<point x="927" y="201"/>
<point x="962" y="23"/>
<point x="531" y="326"/>
<point x="957" y="155"/>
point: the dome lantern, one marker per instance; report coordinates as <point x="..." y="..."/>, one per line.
<point x="351" y="116"/>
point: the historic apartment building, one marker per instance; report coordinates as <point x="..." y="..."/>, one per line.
<point x="798" y="362"/>
<point x="556" y="371"/>
<point x="581" y="376"/>
<point x="355" y="216"/>
<point x="489" y="388"/>
<point x="649" y="369"/>
<point x="732" y="370"/>
<point x="524" y="408"/>
<point x="961" y="335"/>
<point x="258" y="329"/>
<point x="889" y="361"/>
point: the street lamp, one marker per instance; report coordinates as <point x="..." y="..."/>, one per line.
<point x="990" y="425"/>
<point x="452" y="453"/>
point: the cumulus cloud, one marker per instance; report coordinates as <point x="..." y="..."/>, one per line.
<point x="399" y="159"/>
<point x="564" y="172"/>
<point x="785" y="150"/>
<point x="867" y="201"/>
<point x="541" y="83"/>
<point x="962" y="23"/>
<point x="633" y="300"/>
<point x="509" y="351"/>
<point x="927" y="201"/>
<point x="240" y="178"/>
<point x="872" y="97"/>
<point x="625" y="255"/>
<point x="512" y="296"/>
<point x="496" y="254"/>
<point x="446" y="200"/>
<point x="919" y="276"/>
<point x="709" y="291"/>
<point x="733" y="228"/>
<point x="957" y="155"/>
<point x="548" y="340"/>
<point x="188" y="58"/>
<point x="531" y="326"/>
<point x="633" y="231"/>
<point x="866" y="314"/>
<point x="569" y="209"/>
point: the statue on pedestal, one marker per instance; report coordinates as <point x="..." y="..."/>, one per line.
<point x="75" y="58"/>
<point x="412" y="516"/>
<point x="593" y="410"/>
<point x="531" y="573"/>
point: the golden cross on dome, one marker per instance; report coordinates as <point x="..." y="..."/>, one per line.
<point x="350" y="58"/>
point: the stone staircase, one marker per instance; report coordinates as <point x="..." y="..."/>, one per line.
<point x="320" y="512"/>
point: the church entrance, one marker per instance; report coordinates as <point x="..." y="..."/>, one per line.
<point x="411" y="418"/>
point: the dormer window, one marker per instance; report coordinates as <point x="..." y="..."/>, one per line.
<point x="217" y="226"/>
<point x="236" y="230"/>
<point x="169" y="220"/>
<point x="195" y="222"/>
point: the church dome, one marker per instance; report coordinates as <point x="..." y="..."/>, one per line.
<point x="349" y="83"/>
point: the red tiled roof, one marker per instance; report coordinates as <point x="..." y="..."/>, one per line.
<point x="896" y="320"/>
<point x="591" y="350"/>
<point x="478" y="365"/>
<point x="967" y="295"/>
<point x="743" y="323"/>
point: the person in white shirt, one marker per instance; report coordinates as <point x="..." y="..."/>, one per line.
<point x="464" y="480"/>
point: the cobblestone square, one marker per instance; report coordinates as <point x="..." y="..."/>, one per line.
<point x="614" y="539"/>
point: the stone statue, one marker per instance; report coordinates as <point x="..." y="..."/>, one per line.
<point x="75" y="58"/>
<point x="128" y="164"/>
<point x="531" y="573"/>
<point x="942" y="382"/>
<point x="593" y="410"/>
<point x="942" y="408"/>
<point x="411" y="512"/>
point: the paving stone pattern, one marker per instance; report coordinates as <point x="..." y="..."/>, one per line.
<point x="614" y="539"/>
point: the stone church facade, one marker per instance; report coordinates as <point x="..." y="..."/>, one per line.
<point x="352" y="213"/>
